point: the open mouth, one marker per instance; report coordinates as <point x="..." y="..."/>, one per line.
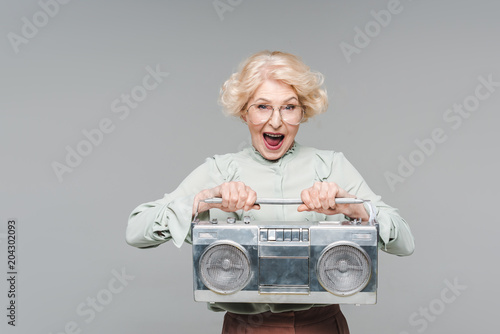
<point x="273" y="141"/>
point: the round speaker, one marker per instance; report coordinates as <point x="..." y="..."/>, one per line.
<point x="343" y="268"/>
<point x="225" y="267"/>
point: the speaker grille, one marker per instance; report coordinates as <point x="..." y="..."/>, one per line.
<point x="343" y="268"/>
<point x="225" y="267"/>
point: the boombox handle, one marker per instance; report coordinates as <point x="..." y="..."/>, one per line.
<point x="291" y="201"/>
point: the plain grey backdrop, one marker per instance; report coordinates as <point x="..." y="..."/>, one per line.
<point x="414" y="90"/>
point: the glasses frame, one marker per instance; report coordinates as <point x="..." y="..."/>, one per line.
<point x="281" y="115"/>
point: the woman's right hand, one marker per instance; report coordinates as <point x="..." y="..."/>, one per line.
<point x="235" y="196"/>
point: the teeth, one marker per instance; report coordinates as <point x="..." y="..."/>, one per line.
<point x="275" y="136"/>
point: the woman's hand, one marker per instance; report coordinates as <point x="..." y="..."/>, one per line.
<point x="235" y="196"/>
<point x="321" y="198"/>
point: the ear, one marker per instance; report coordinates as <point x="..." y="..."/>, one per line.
<point x="243" y="116"/>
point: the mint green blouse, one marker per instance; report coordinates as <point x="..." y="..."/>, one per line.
<point x="154" y="223"/>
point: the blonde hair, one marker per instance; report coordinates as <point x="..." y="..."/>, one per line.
<point x="281" y="66"/>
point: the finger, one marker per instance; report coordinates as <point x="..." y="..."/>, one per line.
<point x="324" y="196"/>
<point x="314" y="193"/>
<point x="225" y="193"/>
<point x="332" y="194"/>
<point x="234" y="196"/>
<point x="305" y="196"/>
<point x="199" y="204"/>
<point x="251" y="198"/>
<point x="243" y="194"/>
<point x="230" y="197"/>
<point x="303" y="207"/>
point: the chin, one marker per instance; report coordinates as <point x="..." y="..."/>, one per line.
<point x="270" y="154"/>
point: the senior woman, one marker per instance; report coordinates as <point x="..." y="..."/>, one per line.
<point x="273" y="93"/>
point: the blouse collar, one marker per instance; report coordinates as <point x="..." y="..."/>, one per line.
<point x="287" y="156"/>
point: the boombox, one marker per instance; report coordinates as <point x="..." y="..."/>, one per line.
<point x="321" y="262"/>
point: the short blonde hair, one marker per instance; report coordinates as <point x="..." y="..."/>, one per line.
<point x="281" y="66"/>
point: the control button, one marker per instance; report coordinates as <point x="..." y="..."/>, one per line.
<point x="287" y="234"/>
<point x="295" y="234"/>
<point x="263" y="234"/>
<point x="272" y="234"/>
<point x="279" y="234"/>
<point x="231" y="220"/>
<point x="246" y="219"/>
<point x="305" y="234"/>
<point x="214" y="221"/>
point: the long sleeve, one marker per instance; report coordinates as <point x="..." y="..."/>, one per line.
<point x="154" y="223"/>
<point x="395" y="235"/>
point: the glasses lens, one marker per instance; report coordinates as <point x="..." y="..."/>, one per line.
<point x="292" y="114"/>
<point x="259" y="113"/>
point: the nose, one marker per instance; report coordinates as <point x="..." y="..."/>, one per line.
<point x="275" y="121"/>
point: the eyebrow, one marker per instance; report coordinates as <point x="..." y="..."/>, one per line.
<point x="261" y="99"/>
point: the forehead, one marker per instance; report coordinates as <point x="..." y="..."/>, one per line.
<point x="274" y="91"/>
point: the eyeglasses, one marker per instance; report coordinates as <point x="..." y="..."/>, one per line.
<point x="260" y="113"/>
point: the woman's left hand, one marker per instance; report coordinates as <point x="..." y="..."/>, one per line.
<point x="321" y="198"/>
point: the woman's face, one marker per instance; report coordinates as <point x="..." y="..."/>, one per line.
<point x="273" y="138"/>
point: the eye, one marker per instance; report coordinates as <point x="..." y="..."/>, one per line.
<point x="263" y="107"/>
<point x="290" y="107"/>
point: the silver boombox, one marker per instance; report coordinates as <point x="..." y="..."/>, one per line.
<point x="321" y="262"/>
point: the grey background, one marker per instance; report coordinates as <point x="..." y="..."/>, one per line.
<point x="393" y="92"/>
